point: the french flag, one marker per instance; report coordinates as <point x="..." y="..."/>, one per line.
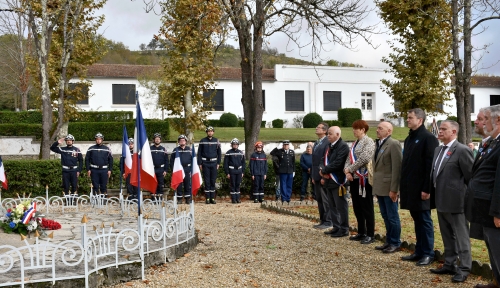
<point x="126" y="153"/>
<point x="29" y="214"/>
<point x="142" y="159"/>
<point x="3" y="177"/>
<point x="196" y="175"/>
<point x="178" y="172"/>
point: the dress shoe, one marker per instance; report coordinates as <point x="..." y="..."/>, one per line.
<point x="443" y="270"/>
<point x="212" y="201"/>
<point x="332" y="231"/>
<point x="357" y="237"/>
<point x="458" y="278"/>
<point x="426" y="260"/>
<point x="368" y="240"/>
<point x="382" y="247"/>
<point x="317" y="225"/>
<point x="391" y="249"/>
<point x="412" y="257"/>
<point x="323" y="226"/>
<point x="489" y="285"/>
<point x="340" y="234"/>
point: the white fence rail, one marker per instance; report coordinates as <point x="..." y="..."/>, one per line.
<point x="160" y="226"/>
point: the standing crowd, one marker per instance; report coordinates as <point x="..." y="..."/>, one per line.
<point x="459" y="184"/>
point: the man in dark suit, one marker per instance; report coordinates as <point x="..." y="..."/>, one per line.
<point x="414" y="186"/>
<point x="319" y="150"/>
<point x="484" y="187"/>
<point x="386" y="177"/>
<point x="451" y="171"/>
<point x="332" y="172"/>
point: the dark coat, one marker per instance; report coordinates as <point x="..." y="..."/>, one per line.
<point x="287" y="160"/>
<point x="318" y="154"/>
<point x="337" y="155"/>
<point x="416" y="168"/>
<point x="258" y="163"/>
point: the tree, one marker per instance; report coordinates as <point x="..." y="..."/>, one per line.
<point x="15" y="48"/>
<point x="478" y="11"/>
<point x="191" y="28"/>
<point x="59" y="28"/>
<point x="335" y="21"/>
<point x="421" y="58"/>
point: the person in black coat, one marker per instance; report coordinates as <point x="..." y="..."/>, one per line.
<point x="71" y="161"/>
<point x="131" y="189"/>
<point x="234" y="167"/>
<point x="484" y="190"/>
<point x="258" y="170"/>
<point x="416" y="169"/>
<point x="334" y="181"/>
<point x="99" y="163"/>
<point x="286" y="170"/>
<point x="185" y="159"/>
<point x="160" y="161"/>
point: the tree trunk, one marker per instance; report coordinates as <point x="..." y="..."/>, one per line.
<point x="188" y="114"/>
<point x="457" y="65"/>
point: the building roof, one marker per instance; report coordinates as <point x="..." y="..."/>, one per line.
<point x="485" y="81"/>
<point x="132" y="71"/>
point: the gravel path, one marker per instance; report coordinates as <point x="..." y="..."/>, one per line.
<point x="246" y="246"/>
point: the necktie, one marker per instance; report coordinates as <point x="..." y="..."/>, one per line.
<point x="438" y="162"/>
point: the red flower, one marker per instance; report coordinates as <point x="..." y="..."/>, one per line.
<point x="9" y="210"/>
<point x="50" y="224"/>
<point x="449" y="153"/>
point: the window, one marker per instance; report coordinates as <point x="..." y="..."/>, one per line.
<point x="494" y="100"/>
<point x="82" y="89"/>
<point x="294" y="100"/>
<point x="215" y="100"/>
<point x="332" y="100"/>
<point x="123" y="93"/>
<point x="471" y="102"/>
<point x="366" y="101"/>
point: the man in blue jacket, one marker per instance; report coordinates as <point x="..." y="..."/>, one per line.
<point x="71" y="161"/>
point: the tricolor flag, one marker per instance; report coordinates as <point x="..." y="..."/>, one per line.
<point x="178" y="172"/>
<point x="126" y="153"/>
<point x="196" y="175"/>
<point x="28" y="214"/>
<point x="142" y="159"/>
<point x="3" y="177"/>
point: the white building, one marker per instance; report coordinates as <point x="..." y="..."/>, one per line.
<point x="289" y="91"/>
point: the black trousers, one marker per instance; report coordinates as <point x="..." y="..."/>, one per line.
<point x="209" y="171"/>
<point x="185" y="185"/>
<point x="259" y="187"/>
<point x="363" y="208"/>
<point x="161" y="180"/>
<point x="99" y="178"/>
<point x="69" y="178"/>
<point x="131" y="190"/>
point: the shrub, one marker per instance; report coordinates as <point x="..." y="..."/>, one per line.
<point x="228" y="120"/>
<point x="113" y="131"/>
<point x="21" y="130"/>
<point x="104" y="116"/>
<point x="333" y="123"/>
<point x="22" y="117"/>
<point x="348" y="115"/>
<point x="241" y="123"/>
<point x="297" y="121"/>
<point x="311" y="120"/>
<point x="277" y="123"/>
<point x="213" y="122"/>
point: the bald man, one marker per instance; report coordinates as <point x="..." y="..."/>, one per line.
<point x="386" y="176"/>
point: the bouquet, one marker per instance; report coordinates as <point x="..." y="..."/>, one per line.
<point x="23" y="218"/>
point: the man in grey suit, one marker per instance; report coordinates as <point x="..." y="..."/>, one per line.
<point x="319" y="150"/>
<point x="386" y="176"/>
<point x="451" y="172"/>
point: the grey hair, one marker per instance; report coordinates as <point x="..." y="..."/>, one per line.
<point x="419" y="113"/>
<point x="453" y="124"/>
<point x="494" y="113"/>
<point x="325" y="126"/>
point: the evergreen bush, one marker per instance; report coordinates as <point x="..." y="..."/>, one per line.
<point x="311" y="120"/>
<point x="277" y="123"/>
<point x="228" y="119"/>
<point x="348" y="115"/>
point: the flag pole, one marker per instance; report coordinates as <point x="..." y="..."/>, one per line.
<point x="122" y="169"/>
<point x="139" y="202"/>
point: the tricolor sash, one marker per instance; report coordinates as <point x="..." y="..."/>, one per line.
<point x="342" y="189"/>
<point x="362" y="173"/>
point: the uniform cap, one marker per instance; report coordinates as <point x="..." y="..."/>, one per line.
<point x="235" y="141"/>
<point x="286" y="142"/>
<point x="69" y="137"/>
<point x="99" y="135"/>
<point x="182" y="136"/>
<point x="209" y="128"/>
<point x="157" y="135"/>
<point x="130" y="140"/>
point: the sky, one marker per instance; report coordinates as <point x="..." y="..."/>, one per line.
<point x="127" y="22"/>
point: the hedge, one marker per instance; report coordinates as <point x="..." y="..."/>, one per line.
<point x="31" y="177"/>
<point x="35" y="117"/>
<point x="22" y="117"/>
<point x="348" y="115"/>
<point x="21" y="129"/>
<point x="333" y="123"/>
<point x="277" y="123"/>
<point x="311" y="120"/>
<point x="113" y="131"/>
<point x="241" y="123"/>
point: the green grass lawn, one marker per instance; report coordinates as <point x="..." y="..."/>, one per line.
<point x="225" y="134"/>
<point x="478" y="248"/>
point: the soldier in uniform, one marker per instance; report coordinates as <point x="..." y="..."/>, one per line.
<point x="160" y="160"/>
<point x="99" y="163"/>
<point x="258" y="170"/>
<point x="234" y="167"/>
<point x="286" y="169"/>
<point x="209" y="156"/>
<point x="186" y="158"/>
<point x="131" y="189"/>
<point x="71" y="161"/>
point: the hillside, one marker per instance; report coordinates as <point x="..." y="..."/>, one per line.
<point x="227" y="56"/>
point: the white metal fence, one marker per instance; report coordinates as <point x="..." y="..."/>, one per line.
<point x="160" y="226"/>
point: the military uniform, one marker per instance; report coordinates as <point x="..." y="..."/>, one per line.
<point x="286" y="169"/>
<point x="160" y="160"/>
<point x="185" y="158"/>
<point x="258" y="169"/>
<point x="72" y="163"/>
<point x="209" y="157"/>
<point x="234" y="166"/>
<point x="99" y="161"/>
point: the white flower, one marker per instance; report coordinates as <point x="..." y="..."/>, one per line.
<point x="33" y="223"/>
<point x="16" y="221"/>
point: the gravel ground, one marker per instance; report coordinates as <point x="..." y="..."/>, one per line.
<point x="245" y="246"/>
